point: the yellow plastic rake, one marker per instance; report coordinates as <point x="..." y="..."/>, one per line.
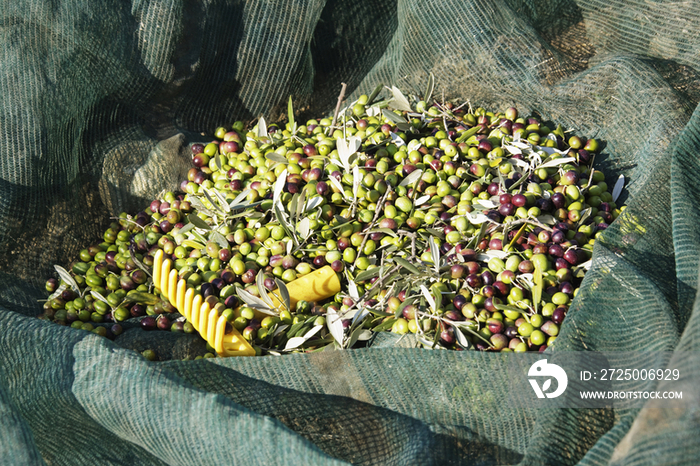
<point x="314" y="286"/>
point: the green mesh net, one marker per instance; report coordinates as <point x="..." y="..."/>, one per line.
<point x="98" y="102"/>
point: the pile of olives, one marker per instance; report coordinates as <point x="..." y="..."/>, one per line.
<point x="467" y="228"/>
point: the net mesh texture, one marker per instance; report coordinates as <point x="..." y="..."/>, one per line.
<point x="98" y="103"/>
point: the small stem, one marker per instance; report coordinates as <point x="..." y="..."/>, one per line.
<point x="341" y="96"/>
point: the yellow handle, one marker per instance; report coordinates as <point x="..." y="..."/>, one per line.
<point x="314" y="286"/>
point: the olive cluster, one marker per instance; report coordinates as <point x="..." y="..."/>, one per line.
<point x="467" y="228"/>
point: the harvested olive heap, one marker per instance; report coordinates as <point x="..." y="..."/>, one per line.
<point x="465" y="228"/>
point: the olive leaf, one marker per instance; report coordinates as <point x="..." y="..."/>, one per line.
<point x="262" y="128"/>
<point x="134" y="296"/>
<point x="185" y="229"/>
<point x="279" y="186"/>
<point x="461" y="339"/>
<point x="411" y="178"/>
<point x="217" y="160"/>
<point x="335" y="326"/>
<point x="211" y="200"/>
<point x="198" y="222"/>
<point x="537" y="289"/>
<point x="467" y="134"/>
<point x="57" y="293"/>
<point x="400" y="102"/>
<point x="255" y="302"/>
<point x="435" y="254"/>
<point x="422" y="200"/>
<point x="396" y="139"/>
<point x="284" y="293"/>
<point x="98" y="296"/>
<point x="505" y="307"/>
<point x="67" y="278"/>
<point x="304" y="227"/>
<point x="275" y="157"/>
<point x="222" y="201"/>
<point x="347" y="149"/>
<point x="429" y="88"/>
<point x="428" y="297"/>
<point x="262" y="291"/>
<point x="407" y="265"/>
<point x="290" y="116"/>
<point x="618" y="187"/>
<point x="476" y="218"/>
<point x="338" y="186"/>
<point x="219" y="239"/>
<point x="557" y="162"/>
<point x="300" y="205"/>
<point x="356" y="180"/>
<point x="374" y="94"/>
<point x="368" y="274"/>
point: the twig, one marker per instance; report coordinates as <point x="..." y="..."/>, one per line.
<point x="341" y="96"/>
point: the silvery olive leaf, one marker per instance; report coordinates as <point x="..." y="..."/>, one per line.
<point x="396" y="139"/>
<point x="356" y="180"/>
<point x="618" y="187"/>
<point x="295" y="342"/>
<point x="373" y="111"/>
<point x="547" y="219"/>
<point x="240" y="198"/>
<point x="255" y="302"/>
<point x="490" y="254"/>
<point x="262" y="291"/>
<point x="557" y="162"/>
<point x="211" y="200"/>
<point x="275" y="157"/>
<point x="67" y="278"/>
<point x="284" y="292"/>
<point x="352" y="287"/>
<point x="411" y="178"/>
<point x="198" y="222"/>
<point x="338" y="186"/>
<point x="312" y="203"/>
<point x="97" y="295"/>
<point x="304" y="226"/>
<point x="279" y="186"/>
<point x="461" y="338"/>
<point x="430" y="87"/>
<point x="335" y="326"/>
<point x="413" y="144"/>
<point x="485" y="203"/>
<point x="58" y="292"/>
<point x="262" y="128"/>
<point x="219" y="239"/>
<point x="400" y="102"/>
<point x="185" y="229"/>
<point x="476" y="218"/>
<point x="422" y="200"/>
<point x="428" y="297"/>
